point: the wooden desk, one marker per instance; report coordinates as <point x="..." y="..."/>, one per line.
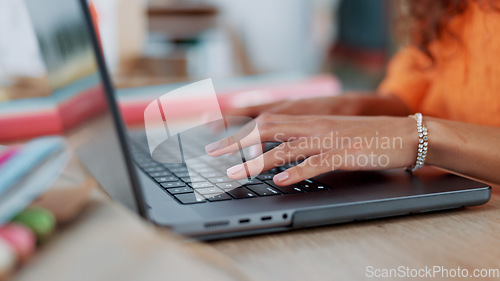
<point x="109" y="243"/>
<point x="467" y="238"/>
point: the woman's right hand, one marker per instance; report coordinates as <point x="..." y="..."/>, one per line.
<point x="341" y="105"/>
<point x="346" y="104"/>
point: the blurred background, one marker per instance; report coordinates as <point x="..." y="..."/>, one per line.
<point x="164" y="41"/>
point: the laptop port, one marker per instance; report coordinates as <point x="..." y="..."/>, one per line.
<point x="244" y="220"/>
<point x="266" y="218"/>
<point x="216" y="224"/>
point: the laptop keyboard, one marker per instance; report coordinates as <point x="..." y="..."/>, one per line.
<point x="204" y="183"/>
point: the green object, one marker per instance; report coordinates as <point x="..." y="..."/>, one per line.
<point x="39" y="220"/>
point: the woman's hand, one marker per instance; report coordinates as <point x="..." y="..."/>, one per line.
<point x="346" y="104"/>
<point x="326" y="143"/>
<point x="341" y="105"/>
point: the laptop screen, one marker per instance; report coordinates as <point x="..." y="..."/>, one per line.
<point x="81" y="93"/>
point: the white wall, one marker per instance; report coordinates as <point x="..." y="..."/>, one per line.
<point x="19" y="52"/>
<point x="282" y="35"/>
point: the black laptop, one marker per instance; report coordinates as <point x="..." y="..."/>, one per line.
<point x="198" y="200"/>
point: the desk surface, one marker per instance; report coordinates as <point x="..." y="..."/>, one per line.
<point x="467" y="238"/>
<point x="109" y="243"/>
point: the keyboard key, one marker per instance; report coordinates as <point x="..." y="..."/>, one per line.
<point x="178" y="170"/>
<point x="173" y="165"/>
<point x="209" y="190"/>
<point x="190" y="198"/>
<point x="197" y="165"/>
<point x="265" y="176"/>
<point x="173" y="184"/>
<point x="218" y="197"/>
<point x="263" y="190"/>
<point x="154" y="169"/>
<point x="193" y="179"/>
<point x="241" y="192"/>
<point x="287" y="166"/>
<point x="201" y="184"/>
<point x="183" y="174"/>
<point x="138" y="157"/>
<point x="217" y="162"/>
<point x="160" y="174"/>
<point x="287" y="189"/>
<point x="205" y="170"/>
<point x="310" y="187"/>
<point x="166" y="179"/>
<point x="250" y="182"/>
<point x="212" y="174"/>
<point x="274" y="171"/>
<point x="219" y="180"/>
<point x="148" y="164"/>
<point x="179" y="190"/>
<point x="229" y="185"/>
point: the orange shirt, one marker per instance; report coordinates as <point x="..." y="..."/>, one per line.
<point x="464" y="82"/>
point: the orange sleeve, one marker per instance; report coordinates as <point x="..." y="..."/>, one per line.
<point x="407" y="78"/>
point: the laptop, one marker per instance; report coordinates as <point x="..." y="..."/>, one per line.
<point x="199" y="201"/>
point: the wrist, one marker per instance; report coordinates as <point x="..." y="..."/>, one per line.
<point x="439" y="141"/>
<point x="372" y="104"/>
<point x="411" y="141"/>
<point x="347" y="104"/>
<point x="423" y="142"/>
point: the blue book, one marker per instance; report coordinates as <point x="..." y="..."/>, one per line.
<point x="29" y="172"/>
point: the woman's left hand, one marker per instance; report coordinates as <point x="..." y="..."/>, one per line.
<point x="325" y="143"/>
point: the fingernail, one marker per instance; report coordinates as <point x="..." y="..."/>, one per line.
<point x="282" y="176"/>
<point x="235" y="169"/>
<point x="212" y="147"/>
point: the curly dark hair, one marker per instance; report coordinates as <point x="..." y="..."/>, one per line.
<point x="429" y="20"/>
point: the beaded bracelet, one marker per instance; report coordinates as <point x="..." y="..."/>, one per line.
<point x="423" y="143"/>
